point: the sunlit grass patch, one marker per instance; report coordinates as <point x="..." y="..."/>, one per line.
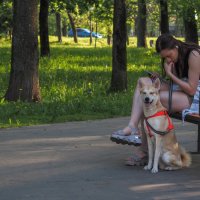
<point x="74" y="81"/>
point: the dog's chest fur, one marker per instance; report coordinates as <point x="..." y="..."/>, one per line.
<point x="159" y="123"/>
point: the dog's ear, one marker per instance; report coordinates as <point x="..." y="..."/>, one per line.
<point x="140" y="85"/>
<point x="156" y="84"/>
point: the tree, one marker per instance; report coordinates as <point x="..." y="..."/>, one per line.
<point x="6" y="17"/>
<point x="44" y="30"/>
<point x="24" y="78"/>
<point x="187" y="11"/>
<point x="141" y="24"/>
<point x="64" y="27"/>
<point x="59" y="26"/>
<point x="119" y="59"/>
<point x="164" y="19"/>
<point x="73" y="26"/>
<point x="190" y="25"/>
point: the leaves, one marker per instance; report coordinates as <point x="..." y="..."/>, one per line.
<point x="73" y="82"/>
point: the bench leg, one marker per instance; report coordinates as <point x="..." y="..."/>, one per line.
<point x="198" y="139"/>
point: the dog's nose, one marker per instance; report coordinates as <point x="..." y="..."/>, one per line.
<point x="146" y="99"/>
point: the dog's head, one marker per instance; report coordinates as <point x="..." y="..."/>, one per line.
<point x="150" y="93"/>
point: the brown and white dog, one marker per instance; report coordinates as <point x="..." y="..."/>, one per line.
<point x="163" y="149"/>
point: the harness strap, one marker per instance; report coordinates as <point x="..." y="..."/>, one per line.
<point x="160" y="113"/>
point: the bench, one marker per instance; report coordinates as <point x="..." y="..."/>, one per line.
<point x="194" y="119"/>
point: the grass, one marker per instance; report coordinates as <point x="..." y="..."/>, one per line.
<point x="73" y="82"/>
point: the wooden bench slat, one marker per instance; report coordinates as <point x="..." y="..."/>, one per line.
<point x="195" y="119"/>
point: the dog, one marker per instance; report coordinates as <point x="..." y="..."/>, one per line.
<point x="163" y="149"/>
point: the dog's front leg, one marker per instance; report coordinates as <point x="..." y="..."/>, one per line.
<point x="150" y="153"/>
<point x="158" y="144"/>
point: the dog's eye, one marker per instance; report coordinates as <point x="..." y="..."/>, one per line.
<point x="144" y="92"/>
<point x="151" y="93"/>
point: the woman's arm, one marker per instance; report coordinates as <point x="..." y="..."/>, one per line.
<point x="190" y="86"/>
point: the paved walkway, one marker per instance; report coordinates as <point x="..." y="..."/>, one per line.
<point x="77" y="161"/>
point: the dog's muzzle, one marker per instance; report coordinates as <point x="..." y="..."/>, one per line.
<point x="147" y="100"/>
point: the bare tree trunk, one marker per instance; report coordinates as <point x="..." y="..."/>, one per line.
<point x="119" y="55"/>
<point x="127" y="37"/>
<point x="44" y="30"/>
<point x="96" y="29"/>
<point x="59" y="27"/>
<point x="64" y="27"/>
<point x="164" y="19"/>
<point x="91" y="29"/>
<point x="190" y="25"/>
<point x="109" y="35"/>
<point x="24" y="78"/>
<point x="73" y="27"/>
<point x="141" y="24"/>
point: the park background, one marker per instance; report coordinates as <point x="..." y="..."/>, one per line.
<point x="49" y="77"/>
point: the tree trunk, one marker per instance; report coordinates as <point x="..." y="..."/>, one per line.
<point x="44" y="30"/>
<point x="136" y="25"/>
<point x="91" y="29"/>
<point x="24" y="78"/>
<point x="119" y="59"/>
<point x="73" y="27"/>
<point x="109" y="35"/>
<point x="64" y="27"/>
<point x="190" y="25"/>
<point x="127" y="36"/>
<point x="141" y="24"/>
<point x="95" y="43"/>
<point x="164" y="19"/>
<point x="58" y="27"/>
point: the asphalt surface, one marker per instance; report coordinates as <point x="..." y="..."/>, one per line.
<point x="77" y="161"/>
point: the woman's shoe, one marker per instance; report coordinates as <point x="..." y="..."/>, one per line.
<point x="136" y="160"/>
<point x="120" y="137"/>
<point x="133" y="139"/>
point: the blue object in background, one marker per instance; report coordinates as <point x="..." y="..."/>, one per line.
<point x="83" y="32"/>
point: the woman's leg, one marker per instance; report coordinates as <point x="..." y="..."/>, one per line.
<point x="180" y="100"/>
<point x="136" y="112"/>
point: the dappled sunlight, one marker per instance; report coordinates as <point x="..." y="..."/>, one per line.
<point x="28" y="161"/>
<point x="151" y="187"/>
<point x="178" y="195"/>
<point x="50" y="140"/>
<point x="170" y="190"/>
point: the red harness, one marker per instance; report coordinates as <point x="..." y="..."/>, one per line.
<point x="160" y="113"/>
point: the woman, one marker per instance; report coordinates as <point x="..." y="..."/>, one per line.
<point x="181" y="63"/>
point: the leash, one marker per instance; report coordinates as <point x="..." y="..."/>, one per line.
<point x="170" y="96"/>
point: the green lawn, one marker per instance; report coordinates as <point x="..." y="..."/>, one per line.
<point x="73" y="82"/>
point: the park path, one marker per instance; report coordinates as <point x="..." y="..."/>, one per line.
<point x="77" y="161"/>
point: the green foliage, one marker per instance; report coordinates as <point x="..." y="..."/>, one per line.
<point x="74" y="83"/>
<point x="5" y="17"/>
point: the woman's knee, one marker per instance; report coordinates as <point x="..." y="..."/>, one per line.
<point x="179" y="101"/>
<point x="164" y="98"/>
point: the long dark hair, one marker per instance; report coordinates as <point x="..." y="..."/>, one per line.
<point x="167" y="41"/>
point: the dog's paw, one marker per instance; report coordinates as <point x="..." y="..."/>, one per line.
<point x="154" y="170"/>
<point x="147" y="167"/>
<point x="168" y="168"/>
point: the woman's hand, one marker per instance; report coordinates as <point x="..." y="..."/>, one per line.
<point x="153" y="75"/>
<point x="169" y="68"/>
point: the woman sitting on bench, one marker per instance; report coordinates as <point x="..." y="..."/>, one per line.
<point x="181" y="63"/>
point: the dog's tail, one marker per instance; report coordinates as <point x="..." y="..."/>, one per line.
<point x="185" y="158"/>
